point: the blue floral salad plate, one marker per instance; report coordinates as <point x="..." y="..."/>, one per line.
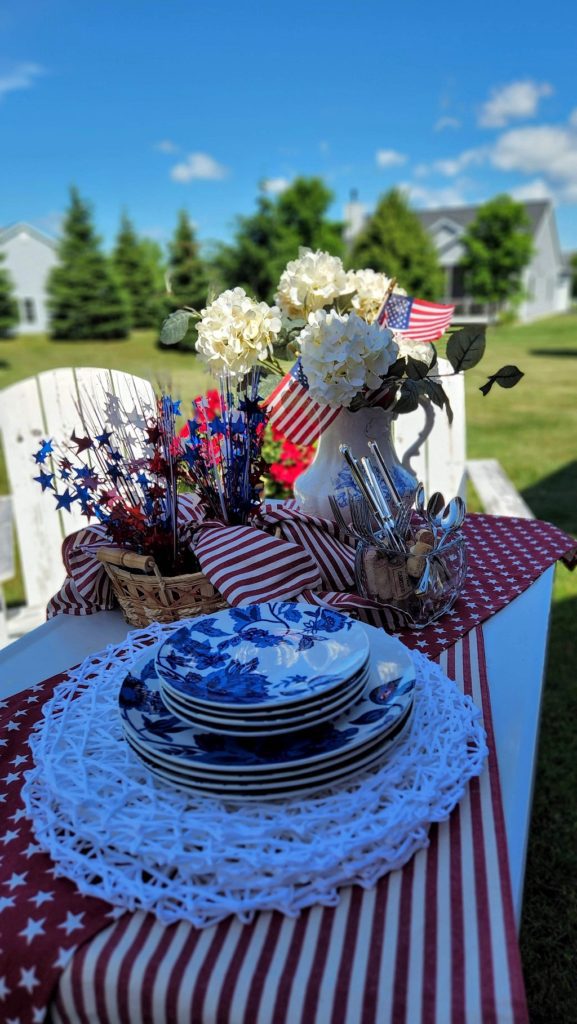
<point x="385" y="700"/>
<point x="262" y="656"/>
<point x="270" y="725"/>
<point x="295" y="784"/>
<point x="282" y="711"/>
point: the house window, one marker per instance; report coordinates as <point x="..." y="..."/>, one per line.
<point x="458" y="283"/>
<point x="29" y="311"/>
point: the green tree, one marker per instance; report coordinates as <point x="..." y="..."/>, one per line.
<point x="187" y="273"/>
<point x="269" y="238"/>
<point x="497" y="248"/>
<point x="8" y="306"/>
<point x="138" y="275"/>
<point x="395" y="243"/>
<point x="84" y="298"/>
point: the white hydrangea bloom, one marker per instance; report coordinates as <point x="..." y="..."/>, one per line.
<point x="342" y="354"/>
<point x="235" y="332"/>
<point x="421" y="350"/>
<point x="370" y="288"/>
<point x="310" y="282"/>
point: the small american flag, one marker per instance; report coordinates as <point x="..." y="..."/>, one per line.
<point x="294" y="413"/>
<point x="419" y="319"/>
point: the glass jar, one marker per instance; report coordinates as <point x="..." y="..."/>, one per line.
<point x="422" y="588"/>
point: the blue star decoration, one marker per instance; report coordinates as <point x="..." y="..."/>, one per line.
<point x="45" y="479"/>
<point x="43" y="452"/>
<point x="64" y="500"/>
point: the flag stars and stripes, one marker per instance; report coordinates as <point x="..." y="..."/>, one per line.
<point x="20" y="759"/>
<point x="42" y="896"/>
<point x="18" y="814"/>
<point x="4" y="990"/>
<point x="31" y="849"/>
<point x="28" y="979"/>
<point x="6" y="902"/>
<point x="72" y="922"/>
<point x="11" y="777"/>
<point x="16" y="880"/>
<point x="33" y="928"/>
<point x="65" y="954"/>
<point x="10" y="836"/>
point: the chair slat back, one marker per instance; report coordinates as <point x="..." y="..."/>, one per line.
<point x="436" y="450"/>
<point x="49" y="406"/>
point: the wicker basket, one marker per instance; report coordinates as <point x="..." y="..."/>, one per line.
<point x="146" y="596"/>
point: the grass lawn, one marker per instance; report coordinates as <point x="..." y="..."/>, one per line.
<point x="532" y="431"/>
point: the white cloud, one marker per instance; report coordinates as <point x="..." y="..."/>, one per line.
<point x="446" y="122"/>
<point x="433" y="198"/>
<point x="573" y="118"/>
<point x="166" y="146"/>
<point x="455" y="165"/>
<point x="515" y="101"/>
<point x="198" y="166"/>
<point x="275" y="185"/>
<point x="536" y="189"/>
<point x="389" y="158"/>
<point x="21" y="76"/>
<point x="547" y="150"/>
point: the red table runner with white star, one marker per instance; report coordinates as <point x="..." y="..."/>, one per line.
<point x="43" y="918"/>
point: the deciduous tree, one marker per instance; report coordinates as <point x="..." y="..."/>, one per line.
<point x="497" y="248"/>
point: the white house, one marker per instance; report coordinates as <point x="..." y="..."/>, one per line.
<point x="29" y="258"/>
<point x="546" y="279"/>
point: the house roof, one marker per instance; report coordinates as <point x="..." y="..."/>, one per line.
<point x="464" y="215"/>
<point x="16" y="229"/>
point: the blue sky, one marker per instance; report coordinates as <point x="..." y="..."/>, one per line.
<point x="154" y="105"/>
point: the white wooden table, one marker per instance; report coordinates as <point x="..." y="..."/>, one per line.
<point x="515" y="644"/>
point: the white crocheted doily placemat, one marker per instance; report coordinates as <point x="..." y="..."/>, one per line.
<point x="132" y="840"/>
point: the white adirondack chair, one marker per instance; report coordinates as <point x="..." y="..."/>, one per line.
<point x="47" y="406"/>
<point x="436" y="451"/>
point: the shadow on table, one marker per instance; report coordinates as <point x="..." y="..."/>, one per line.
<point x="549" y="926"/>
<point x="554" y="498"/>
<point x="559" y="353"/>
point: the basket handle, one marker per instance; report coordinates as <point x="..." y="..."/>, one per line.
<point x="127" y="559"/>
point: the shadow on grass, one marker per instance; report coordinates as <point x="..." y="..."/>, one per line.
<point x="549" y="926"/>
<point x="558" y="353"/>
<point x="554" y="498"/>
<point x="4" y="364"/>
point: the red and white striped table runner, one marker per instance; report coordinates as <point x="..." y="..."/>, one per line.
<point x="431" y="944"/>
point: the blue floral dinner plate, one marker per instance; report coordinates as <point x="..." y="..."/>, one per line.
<point x="294" y="784"/>
<point x="262" y="655"/>
<point x="236" y="726"/>
<point x="387" y="696"/>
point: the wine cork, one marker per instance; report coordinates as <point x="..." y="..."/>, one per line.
<point x="421" y="548"/>
<point x="426" y="537"/>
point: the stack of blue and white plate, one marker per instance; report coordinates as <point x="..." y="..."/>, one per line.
<point x="267" y="701"/>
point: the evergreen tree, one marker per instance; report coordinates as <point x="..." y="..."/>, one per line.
<point x="187" y="273"/>
<point x="395" y="243"/>
<point x="84" y="299"/>
<point x="8" y="306"/>
<point x="497" y="248"/>
<point x="573" y="268"/>
<point x="138" y="276"/>
<point x="267" y="240"/>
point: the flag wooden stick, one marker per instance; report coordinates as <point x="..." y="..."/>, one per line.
<point x="390" y="289"/>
